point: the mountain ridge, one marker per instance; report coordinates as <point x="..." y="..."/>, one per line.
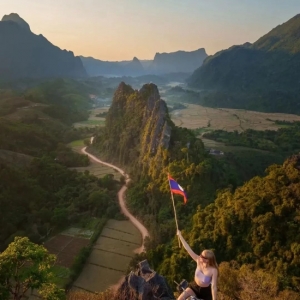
<point x="24" y="54"/>
<point x="162" y="63"/>
<point x="263" y="76"/>
<point x="178" y="61"/>
<point x="14" y="17"/>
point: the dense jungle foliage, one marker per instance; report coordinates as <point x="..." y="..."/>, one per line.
<point x="254" y="227"/>
<point x="39" y="194"/>
<point x="257" y="225"/>
<point x="285" y="140"/>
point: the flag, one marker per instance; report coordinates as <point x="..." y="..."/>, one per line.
<point x="176" y="188"/>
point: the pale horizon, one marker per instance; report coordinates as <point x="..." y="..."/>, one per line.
<point x="115" y="30"/>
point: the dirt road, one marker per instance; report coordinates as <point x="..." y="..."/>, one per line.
<point x="121" y="197"/>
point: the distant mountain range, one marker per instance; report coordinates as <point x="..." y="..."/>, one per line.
<point x="25" y="54"/>
<point x="163" y="63"/>
<point x="97" y="67"/>
<point x="262" y="76"/>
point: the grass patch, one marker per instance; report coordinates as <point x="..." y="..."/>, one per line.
<point x="222" y="147"/>
<point x="93" y="122"/>
<point x="61" y="275"/>
<point x="91" y="223"/>
<point x="199" y="131"/>
<point x="77" y="143"/>
<point x="89" y="123"/>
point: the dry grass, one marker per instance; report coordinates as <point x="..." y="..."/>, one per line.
<point x="197" y="116"/>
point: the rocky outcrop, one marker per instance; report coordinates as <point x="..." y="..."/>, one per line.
<point x="156" y="132"/>
<point x="138" y="128"/>
<point x="144" y="284"/>
<point x="24" y="54"/>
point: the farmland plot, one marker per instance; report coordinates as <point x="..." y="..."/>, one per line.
<point x="110" y="256"/>
<point x="66" y="248"/>
<point x="197" y="116"/>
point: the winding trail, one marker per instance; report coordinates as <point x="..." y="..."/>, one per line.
<point x="121" y="197"/>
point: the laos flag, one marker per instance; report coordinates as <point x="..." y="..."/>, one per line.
<point x="176" y="188"/>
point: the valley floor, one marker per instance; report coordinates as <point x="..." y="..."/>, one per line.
<point x="197" y="116"/>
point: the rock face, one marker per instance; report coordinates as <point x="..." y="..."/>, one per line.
<point x="144" y="284"/>
<point x="26" y="55"/>
<point x="138" y="127"/>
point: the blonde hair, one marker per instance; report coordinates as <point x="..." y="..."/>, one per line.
<point x="211" y="258"/>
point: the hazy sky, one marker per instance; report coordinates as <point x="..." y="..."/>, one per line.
<point x="122" y="29"/>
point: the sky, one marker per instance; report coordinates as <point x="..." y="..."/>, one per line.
<point x="117" y="30"/>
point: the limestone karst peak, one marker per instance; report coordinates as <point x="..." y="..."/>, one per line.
<point x="150" y="89"/>
<point x="14" y="17"/>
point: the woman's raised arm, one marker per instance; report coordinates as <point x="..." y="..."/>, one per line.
<point x="192" y="254"/>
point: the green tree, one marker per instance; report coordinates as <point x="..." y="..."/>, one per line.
<point x="26" y="266"/>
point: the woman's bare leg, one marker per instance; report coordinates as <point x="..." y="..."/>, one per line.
<point x="185" y="294"/>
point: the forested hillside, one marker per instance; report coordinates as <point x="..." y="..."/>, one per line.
<point x="255" y="227"/>
<point x="262" y="76"/>
<point x="39" y="194"/>
<point x="285" y="140"/>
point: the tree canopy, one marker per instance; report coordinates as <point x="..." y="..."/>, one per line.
<point x="26" y="266"/>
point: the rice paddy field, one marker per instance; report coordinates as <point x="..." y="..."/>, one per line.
<point x="66" y="247"/>
<point x="197" y="116"/>
<point x="110" y="257"/>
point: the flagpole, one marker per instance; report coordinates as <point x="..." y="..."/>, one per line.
<point x="174" y="212"/>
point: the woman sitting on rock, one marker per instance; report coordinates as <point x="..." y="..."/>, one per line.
<point x="204" y="285"/>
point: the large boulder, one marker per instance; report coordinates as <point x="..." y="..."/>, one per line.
<point x="144" y="284"/>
